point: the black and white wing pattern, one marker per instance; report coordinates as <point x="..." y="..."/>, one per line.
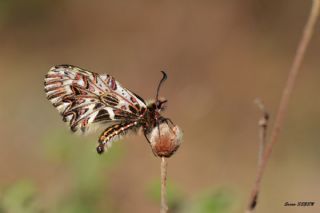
<point x="84" y="98"/>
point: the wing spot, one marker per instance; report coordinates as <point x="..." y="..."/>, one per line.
<point x="98" y="105"/>
<point x="132" y="109"/>
<point x="102" y="115"/>
<point x="110" y="100"/>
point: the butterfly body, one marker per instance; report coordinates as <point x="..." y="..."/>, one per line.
<point x="85" y="99"/>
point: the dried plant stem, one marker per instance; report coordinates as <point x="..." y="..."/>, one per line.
<point x="307" y="34"/>
<point x="164" y="205"/>
<point x="263" y="126"/>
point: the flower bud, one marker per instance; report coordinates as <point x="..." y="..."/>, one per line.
<point x="165" y="142"/>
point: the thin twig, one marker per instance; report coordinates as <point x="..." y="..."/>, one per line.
<point x="263" y="126"/>
<point x="307" y="34"/>
<point x="164" y="205"/>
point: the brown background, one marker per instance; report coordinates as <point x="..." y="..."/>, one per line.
<point x="219" y="56"/>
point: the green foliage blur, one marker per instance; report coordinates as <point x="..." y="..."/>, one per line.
<point x="20" y="198"/>
<point x="174" y="195"/>
<point x="89" y="183"/>
<point x="87" y="190"/>
<point x="218" y="201"/>
<point x="207" y="201"/>
<point x="13" y="11"/>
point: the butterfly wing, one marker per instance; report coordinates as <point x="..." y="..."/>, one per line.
<point x="84" y="98"/>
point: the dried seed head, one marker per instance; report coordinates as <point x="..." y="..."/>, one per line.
<point x="169" y="141"/>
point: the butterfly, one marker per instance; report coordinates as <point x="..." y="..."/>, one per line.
<point x="85" y="99"/>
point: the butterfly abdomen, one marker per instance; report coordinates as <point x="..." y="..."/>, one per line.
<point x="114" y="133"/>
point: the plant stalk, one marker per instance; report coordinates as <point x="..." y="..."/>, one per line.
<point x="284" y="102"/>
<point x="164" y="204"/>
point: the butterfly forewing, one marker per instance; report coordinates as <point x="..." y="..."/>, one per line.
<point x="84" y="98"/>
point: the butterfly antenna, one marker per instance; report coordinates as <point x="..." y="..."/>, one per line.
<point x="161" y="82"/>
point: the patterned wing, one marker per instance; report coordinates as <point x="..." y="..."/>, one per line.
<point x="85" y="98"/>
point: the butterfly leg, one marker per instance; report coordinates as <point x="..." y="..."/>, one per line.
<point x="146" y="138"/>
<point x="168" y="120"/>
<point x="111" y="134"/>
<point x="155" y="154"/>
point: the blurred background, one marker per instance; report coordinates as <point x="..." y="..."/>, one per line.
<point x="219" y="56"/>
